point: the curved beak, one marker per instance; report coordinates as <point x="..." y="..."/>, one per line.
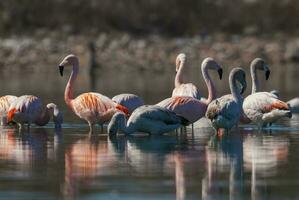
<point x="220" y="71"/>
<point x="267" y="74"/>
<point x="61" y="67"/>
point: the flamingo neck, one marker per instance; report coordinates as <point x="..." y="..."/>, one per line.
<point x="255" y="82"/>
<point x="44" y="118"/>
<point x="234" y="88"/>
<point x="69" y="89"/>
<point x="209" y="83"/>
<point x="179" y="76"/>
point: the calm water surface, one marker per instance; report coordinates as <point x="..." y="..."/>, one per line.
<point x="70" y="164"/>
<point x="66" y="164"/>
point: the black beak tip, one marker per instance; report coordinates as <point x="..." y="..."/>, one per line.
<point x="61" y="70"/>
<point x="220" y="71"/>
<point x="267" y="75"/>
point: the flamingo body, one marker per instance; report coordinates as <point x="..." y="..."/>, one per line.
<point x="187" y="107"/>
<point x="148" y="119"/>
<point x="186" y="89"/>
<point x="5" y="102"/>
<point x="264" y="107"/>
<point x="225" y="112"/>
<point x="130" y="101"/>
<point x="25" y="109"/>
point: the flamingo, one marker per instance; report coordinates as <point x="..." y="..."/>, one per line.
<point x="27" y="109"/>
<point x="130" y="101"/>
<point x="181" y="88"/>
<point x="91" y="107"/>
<point x="5" y="102"/>
<point x="188" y="107"/>
<point x="264" y="107"/>
<point x="256" y="64"/>
<point x="150" y="119"/>
<point x="224" y="112"/>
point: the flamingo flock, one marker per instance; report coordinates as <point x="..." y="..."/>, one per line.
<point x="128" y="114"/>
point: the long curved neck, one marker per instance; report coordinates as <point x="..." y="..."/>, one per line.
<point x="209" y="83"/>
<point x="234" y="88"/>
<point x="179" y="76"/>
<point x="69" y="89"/>
<point x="254" y="79"/>
<point x="44" y="118"/>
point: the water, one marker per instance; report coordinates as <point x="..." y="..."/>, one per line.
<point x="67" y="164"/>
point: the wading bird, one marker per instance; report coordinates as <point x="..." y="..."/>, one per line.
<point x="91" y="107"/>
<point x="27" y="109"/>
<point x="148" y="119"/>
<point x="181" y="88"/>
<point x="188" y="107"/>
<point x="224" y="112"/>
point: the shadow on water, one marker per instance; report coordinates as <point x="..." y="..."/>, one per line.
<point x="69" y="163"/>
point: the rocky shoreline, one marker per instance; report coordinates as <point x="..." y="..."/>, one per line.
<point x="147" y="53"/>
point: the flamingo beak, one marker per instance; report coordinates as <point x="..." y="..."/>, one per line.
<point x="61" y="67"/>
<point x="267" y="74"/>
<point x="220" y="71"/>
<point x="243" y="88"/>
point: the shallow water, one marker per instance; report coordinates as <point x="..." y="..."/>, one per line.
<point x="48" y="164"/>
<point x="70" y="163"/>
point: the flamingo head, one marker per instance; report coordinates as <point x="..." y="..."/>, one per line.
<point x="68" y="60"/>
<point x="117" y="122"/>
<point x="260" y="64"/>
<point x="180" y="59"/>
<point x="240" y="76"/>
<point x="210" y="63"/>
<point x="11" y="114"/>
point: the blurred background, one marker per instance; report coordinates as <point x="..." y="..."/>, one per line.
<point x="131" y="46"/>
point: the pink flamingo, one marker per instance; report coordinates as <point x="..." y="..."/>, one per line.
<point x="190" y="108"/>
<point x="130" y="101"/>
<point x="27" y="109"/>
<point x="181" y="88"/>
<point x="5" y="102"/>
<point x="92" y="107"/>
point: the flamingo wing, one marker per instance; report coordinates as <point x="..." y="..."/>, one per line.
<point x="260" y="103"/>
<point x="187" y="107"/>
<point x="130" y="101"/>
<point x="28" y="108"/>
<point x="95" y="107"/>
<point x="5" y="102"/>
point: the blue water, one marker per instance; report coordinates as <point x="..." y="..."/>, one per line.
<point x="72" y="164"/>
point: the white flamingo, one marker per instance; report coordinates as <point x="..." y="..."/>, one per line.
<point x="181" y="88"/>
<point x="224" y="112"/>
<point x="149" y="119"/>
